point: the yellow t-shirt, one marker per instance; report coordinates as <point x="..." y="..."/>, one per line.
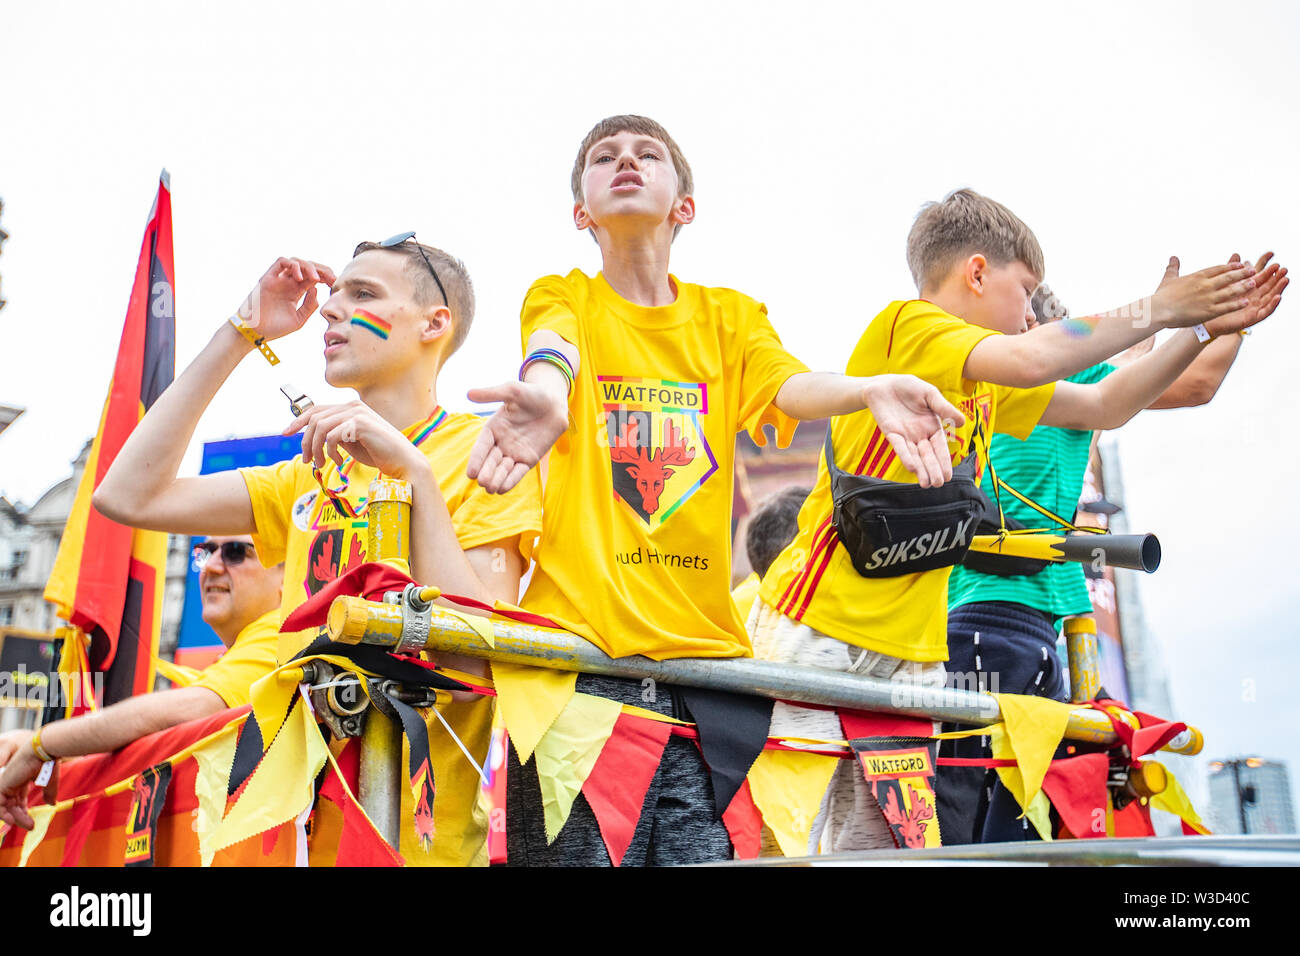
<point x="249" y="659"/>
<point x="297" y="524"/>
<point x="813" y="580"/>
<point x="635" y="554"/>
<point x="743" y="594"/>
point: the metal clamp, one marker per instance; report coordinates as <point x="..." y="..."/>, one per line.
<point x="416" y="617"/>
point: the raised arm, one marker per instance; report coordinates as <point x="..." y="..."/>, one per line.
<point x="141" y="488"/>
<point x="1057" y="350"/>
<point x="1162" y="376"/>
<point x="1199" y="383"/>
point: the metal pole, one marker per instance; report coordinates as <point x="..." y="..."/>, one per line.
<point x="1081" y="649"/>
<point x="1236" y="786"/>
<point x="379" y="784"/>
<point x="355" y="620"/>
<point x="1140" y="552"/>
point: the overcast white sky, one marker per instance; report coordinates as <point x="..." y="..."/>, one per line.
<point x="1121" y="133"/>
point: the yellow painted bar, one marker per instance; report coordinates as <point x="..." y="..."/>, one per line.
<point x="1081" y="648"/>
<point x="388" y="520"/>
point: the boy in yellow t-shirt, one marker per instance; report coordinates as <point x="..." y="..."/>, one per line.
<point x="658" y="376"/>
<point x="976" y="266"/>
<point x="394" y="316"/>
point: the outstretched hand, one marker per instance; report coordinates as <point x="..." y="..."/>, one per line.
<point x="1184" y="301"/>
<point x="1270" y="282"/>
<point x="530" y="420"/>
<point x="912" y="416"/>
<point x="285" y="297"/>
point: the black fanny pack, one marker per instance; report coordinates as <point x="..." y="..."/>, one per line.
<point x="891" y="528"/>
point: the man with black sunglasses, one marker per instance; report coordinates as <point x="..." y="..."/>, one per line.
<point x="395" y="314"/>
<point x="241" y="602"/>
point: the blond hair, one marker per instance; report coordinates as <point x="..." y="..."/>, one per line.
<point x="451" y="273"/>
<point x="963" y="224"/>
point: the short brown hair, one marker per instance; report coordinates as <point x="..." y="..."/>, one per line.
<point x="773" y="526"/>
<point x="451" y="273"/>
<point x="642" y="126"/>
<point x="962" y="224"/>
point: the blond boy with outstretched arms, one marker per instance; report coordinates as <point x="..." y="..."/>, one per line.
<point x="976" y="267"/>
<point x="394" y="316"/>
<point x="635" y="552"/>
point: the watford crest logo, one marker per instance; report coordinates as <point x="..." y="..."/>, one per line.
<point x="658" y="454"/>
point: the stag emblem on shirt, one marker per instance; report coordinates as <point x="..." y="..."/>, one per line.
<point x="651" y="468"/>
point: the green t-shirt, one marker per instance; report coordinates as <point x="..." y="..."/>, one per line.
<point x="1047" y="467"/>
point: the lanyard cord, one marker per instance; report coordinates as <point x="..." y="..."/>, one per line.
<point x="417" y="434"/>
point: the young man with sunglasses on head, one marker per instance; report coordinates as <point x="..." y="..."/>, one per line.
<point x="241" y="602"/>
<point x="394" y="316"/>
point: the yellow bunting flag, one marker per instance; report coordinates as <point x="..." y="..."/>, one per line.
<point x="41" y="817"/>
<point x="1034" y="727"/>
<point x="178" y="674"/>
<point x="1174" y="800"/>
<point x="529" y="699"/>
<point x="787" y="787"/>
<point x="1040" y="815"/>
<point x="281" y="786"/>
<point x="214" y="758"/>
<point x="568" y="751"/>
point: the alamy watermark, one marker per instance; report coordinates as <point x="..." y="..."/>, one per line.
<point x="24" y="688"/>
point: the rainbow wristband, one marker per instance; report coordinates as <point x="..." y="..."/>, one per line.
<point x="258" y="341"/>
<point x="553" y="357"/>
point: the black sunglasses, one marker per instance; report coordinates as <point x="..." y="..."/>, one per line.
<point x="401" y="239"/>
<point x="232" y="552"/>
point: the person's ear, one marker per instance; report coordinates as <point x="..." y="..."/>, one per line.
<point x="683" y="210"/>
<point x="437" y="322"/>
<point x="581" y="218"/>
<point x="976" y="273"/>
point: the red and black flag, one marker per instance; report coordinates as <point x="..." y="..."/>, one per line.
<point x="108" y="578"/>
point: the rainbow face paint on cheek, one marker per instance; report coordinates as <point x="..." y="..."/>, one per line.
<point x="372" y="323"/>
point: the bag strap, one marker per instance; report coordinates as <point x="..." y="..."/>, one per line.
<point x="836" y="471"/>
<point x="999" y="485"/>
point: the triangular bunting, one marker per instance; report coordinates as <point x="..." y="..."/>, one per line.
<point x="529" y="699"/>
<point x="1133" y="821"/>
<point x="567" y="753"/>
<point x="616" y="787"/>
<point x="356" y="842"/>
<point x="1174" y="800"/>
<point x="214" y="760"/>
<point x="744" y="824"/>
<point x="282" y="784"/>
<point x="1077" y="788"/>
<point x="733" y="731"/>
<point x="41" y="817"/>
<point x="900" y="771"/>
<point x="1034" y="727"/>
<point x="787" y="787"/>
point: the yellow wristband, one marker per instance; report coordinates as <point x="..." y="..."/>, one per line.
<point x="41" y="753"/>
<point x="258" y="341"/>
